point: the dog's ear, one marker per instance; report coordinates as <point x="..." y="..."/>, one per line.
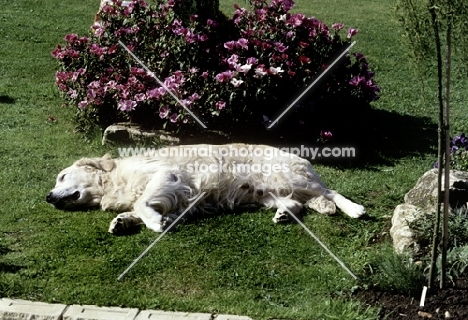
<point x="106" y="163"/>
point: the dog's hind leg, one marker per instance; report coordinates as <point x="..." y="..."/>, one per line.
<point x="284" y="205"/>
<point x="124" y="222"/>
<point x="164" y="195"/>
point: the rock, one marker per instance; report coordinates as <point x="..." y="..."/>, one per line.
<point x="424" y="314"/>
<point x="424" y="193"/>
<point x="127" y="133"/>
<point x="421" y="200"/>
<point x="400" y="231"/>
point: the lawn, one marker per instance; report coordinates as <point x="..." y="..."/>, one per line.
<point x="230" y="263"/>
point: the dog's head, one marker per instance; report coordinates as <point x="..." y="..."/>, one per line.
<point x="80" y="185"/>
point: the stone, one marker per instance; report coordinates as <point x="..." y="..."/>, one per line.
<point x="88" y="312"/>
<point x="127" y="133"/>
<point x="400" y="231"/>
<point x="421" y="200"/>
<point x="166" y="315"/>
<point x="424" y="193"/>
<point x="22" y="309"/>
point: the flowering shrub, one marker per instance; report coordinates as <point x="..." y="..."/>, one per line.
<point x="226" y="71"/>
<point x="458" y="153"/>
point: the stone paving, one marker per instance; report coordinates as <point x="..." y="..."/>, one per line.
<point x="15" y="309"/>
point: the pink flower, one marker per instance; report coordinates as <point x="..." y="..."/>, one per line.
<point x="304" y="60"/>
<point x="224" y="76"/>
<point x="137" y="71"/>
<point x="126" y="105"/>
<point x="356" y="80"/>
<point x="155" y="93"/>
<point x="83" y="104"/>
<point x="72" y="93"/>
<point x="277" y="70"/>
<point x="220" y="105"/>
<point x="204" y="75"/>
<point x="73" y="53"/>
<point x="232" y="61"/>
<point x="111" y="85"/>
<point x="252" y="60"/>
<point x="352" y="32"/>
<point x="194" y="97"/>
<point x="243" y="43"/>
<point x="97" y="50"/>
<point x="164" y="112"/>
<point x="280" y="47"/>
<point x="236" y="83"/>
<point x="71" y="38"/>
<point x="58" y="53"/>
<point x="326" y="135"/>
<point x="112" y="49"/>
<point x="173" y="117"/>
<point x="337" y="26"/>
<point x="230" y="45"/>
<point x="296" y="19"/>
<point x="244" y="68"/>
<point x="260" y="71"/>
<point x="140" y="97"/>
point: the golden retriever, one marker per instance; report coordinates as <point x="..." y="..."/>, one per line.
<point x="154" y="190"/>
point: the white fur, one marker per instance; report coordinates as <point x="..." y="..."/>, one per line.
<point x="155" y="190"/>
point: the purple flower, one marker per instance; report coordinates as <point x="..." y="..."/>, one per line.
<point x="140" y="97"/>
<point x="164" y="112"/>
<point x="97" y="50"/>
<point x="243" y="43"/>
<point x="155" y="93"/>
<point x="126" y="105"/>
<point x="71" y="38"/>
<point x="220" y="105"/>
<point x="352" y="32"/>
<point x="326" y="135"/>
<point x="224" y="76"/>
<point x="230" y="45"/>
<point x="83" y="104"/>
<point x="252" y="60"/>
<point x="356" y="80"/>
<point x="173" y="117"/>
<point x="337" y="26"/>
<point x="280" y="47"/>
<point x="460" y="141"/>
<point x="296" y="19"/>
<point x="194" y="97"/>
<point x="287" y="5"/>
<point x="233" y="61"/>
<point x="236" y="82"/>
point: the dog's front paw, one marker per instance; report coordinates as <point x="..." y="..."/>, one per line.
<point x="168" y="220"/>
<point x="117" y="226"/>
<point x="355" y="210"/>
<point x="281" y="217"/>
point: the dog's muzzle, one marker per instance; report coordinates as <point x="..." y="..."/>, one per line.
<point x="60" y="202"/>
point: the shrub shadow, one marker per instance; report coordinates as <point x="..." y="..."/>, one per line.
<point x="379" y="137"/>
<point x="7" y="99"/>
<point x="7" y="267"/>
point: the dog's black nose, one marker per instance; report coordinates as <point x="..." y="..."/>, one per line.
<point x="49" y="198"/>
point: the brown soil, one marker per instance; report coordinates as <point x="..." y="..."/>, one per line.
<point x="449" y="303"/>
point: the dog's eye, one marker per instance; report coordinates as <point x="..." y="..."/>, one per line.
<point x="62" y="177"/>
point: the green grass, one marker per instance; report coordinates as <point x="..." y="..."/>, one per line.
<point x="239" y="264"/>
